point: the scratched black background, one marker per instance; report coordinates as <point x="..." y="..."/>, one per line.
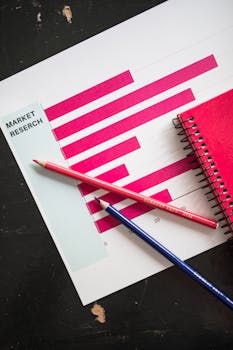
<point x="39" y="308"/>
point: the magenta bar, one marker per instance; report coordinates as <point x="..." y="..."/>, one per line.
<point x="113" y="198"/>
<point x="128" y="123"/>
<point x="161" y="175"/>
<point x="89" y="95"/>
<point x="110" y="176"/>
<point x="132" y="211"/>
<point x="180" y="76"/>
<point x="107" y="155"/>
<point x="144" y="183"/>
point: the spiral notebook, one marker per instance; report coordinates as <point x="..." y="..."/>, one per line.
<point x="208" y="131"/>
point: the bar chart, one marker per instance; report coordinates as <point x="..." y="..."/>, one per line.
<point x="127" y="127"/>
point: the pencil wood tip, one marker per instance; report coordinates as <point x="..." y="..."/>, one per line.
<point x="103" y="204"/>
<point x="40" y="162"/>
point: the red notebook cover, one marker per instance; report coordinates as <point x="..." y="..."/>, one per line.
<point x="209" y="131"/>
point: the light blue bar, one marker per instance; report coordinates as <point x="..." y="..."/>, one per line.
<point x="62" y="207"/>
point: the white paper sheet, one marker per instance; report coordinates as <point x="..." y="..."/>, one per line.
<point x="132" y="80"/>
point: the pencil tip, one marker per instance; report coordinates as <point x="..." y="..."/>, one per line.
<point x="103" y="204"/>
<point x="40" y="162"/>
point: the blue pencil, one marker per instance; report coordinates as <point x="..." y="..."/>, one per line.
<point x="165" y="252"/>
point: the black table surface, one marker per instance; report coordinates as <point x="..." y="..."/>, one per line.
<point x="39" y="307"/>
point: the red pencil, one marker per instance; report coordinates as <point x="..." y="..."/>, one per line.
<point x="128" y="194"/>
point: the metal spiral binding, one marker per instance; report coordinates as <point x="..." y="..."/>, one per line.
<point x="203" y="158"/>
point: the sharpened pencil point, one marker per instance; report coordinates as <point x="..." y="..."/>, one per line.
<point x="40" y="162"/>
<point x="103" y="204"/>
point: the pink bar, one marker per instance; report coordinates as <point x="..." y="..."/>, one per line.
<point x="135" y="97"/>
<point x="128" y="123"/>
<point x="110" y="176"/>
<point x="89" y="95"/>
<point x="132" y="211"/>
<point x="144" y="183"/>
<point x="161" y="175"/>
<point x="107" y="155"/>
<point x="111" y="198"/>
